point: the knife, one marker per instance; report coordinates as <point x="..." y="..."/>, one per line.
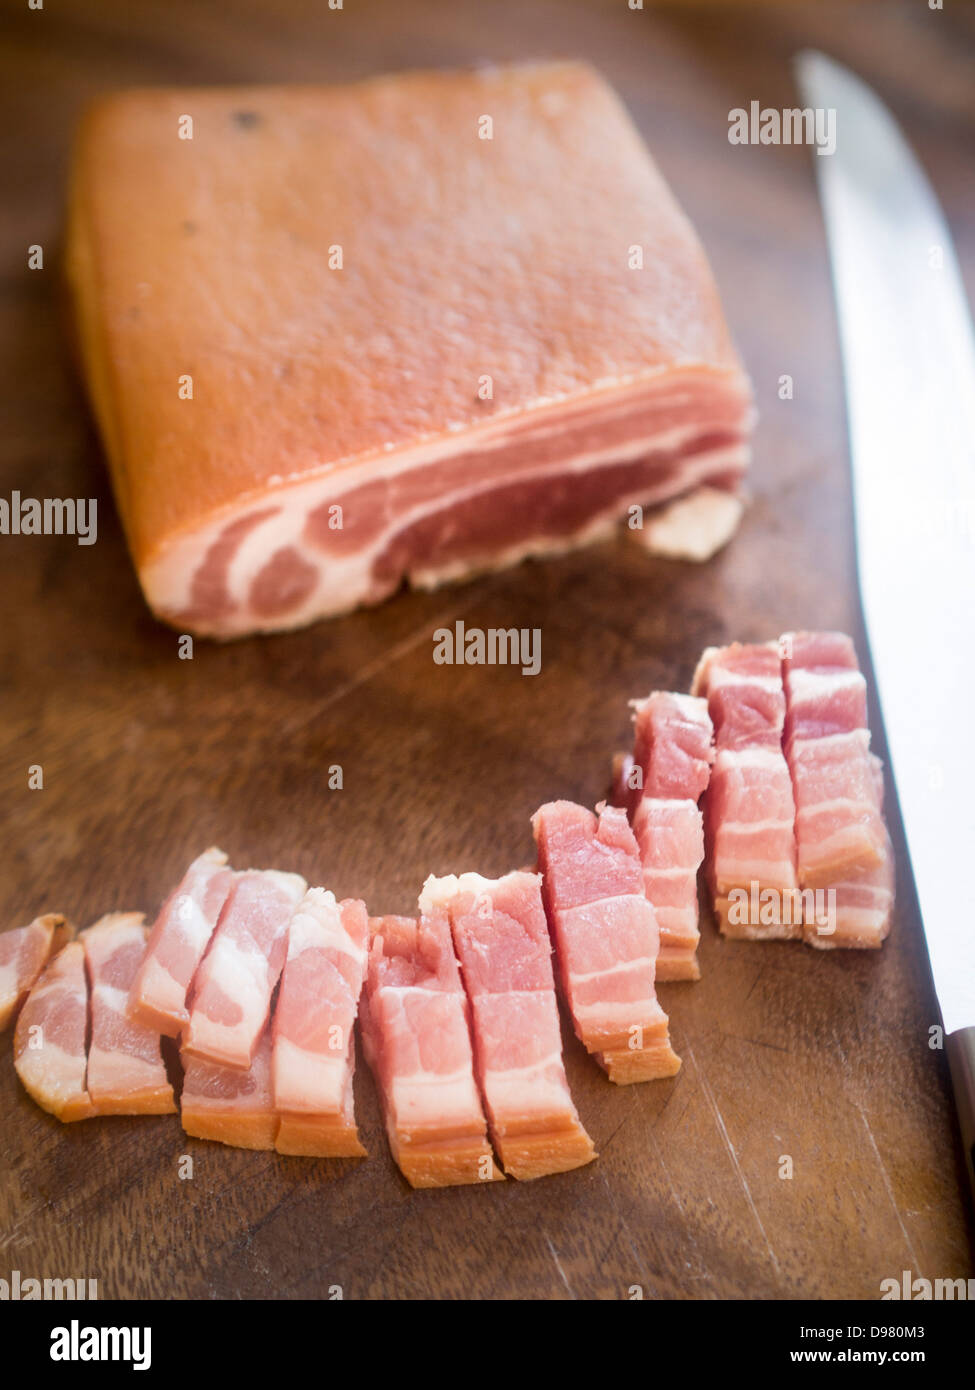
<point x="909" y="367"/>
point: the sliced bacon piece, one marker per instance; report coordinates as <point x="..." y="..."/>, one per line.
<point x="504" y="950"/>
<point x="313" y="1047"/>
<point x="416" y="1035"/>
<point x="839" y="827"/>
<point x="49" y="1040"/>
<point x="551" y="347"/>
<point x="232" y="991"/>
<point x="230" y="1105"/>
<point x="749" y="813"/>
<point x="606" y="938"/>
<point x="843" y="844"/>
<point x="126" y="1073"/>
<point x="24" y="952"/>
<point x="177" y="942"/>
<point x="672" y="757"/>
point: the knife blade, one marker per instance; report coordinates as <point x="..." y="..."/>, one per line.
<point x="908" y="353"/>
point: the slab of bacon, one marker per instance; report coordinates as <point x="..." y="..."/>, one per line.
<point x="606" y="938"/>
<point x="49" y="1040"/>
<point x="313" y="1052"/>
<point x="671" y="768"/>
<point x="503" y="946"/>
<point x="24" y="952"/>
<point x="841" y="838"/>
<point x="749" y="815"/>
<point x="232" y="990"/>
<point x="416" y="1034"/>
<point x="126" y="1073"/>
<point x="179" y="938"/>
<point x="228" y="1104"/>
<point x="551" y="347"/>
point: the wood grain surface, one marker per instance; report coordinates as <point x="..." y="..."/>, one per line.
<point x="148" y="758"/>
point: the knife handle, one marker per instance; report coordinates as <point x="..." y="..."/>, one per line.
<point x="960" y="1047"/>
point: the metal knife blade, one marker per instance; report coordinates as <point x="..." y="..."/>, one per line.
<point x="909" y="365"/>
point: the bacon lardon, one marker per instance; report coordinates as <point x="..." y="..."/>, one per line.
<point x="230" y="1105"/>
<point x="50" y="1037"/>
<point x="313" y="1046"/>
<point x="126" y="1072"/>
<point x="177" y="942"/>
<point x="232" y="990"/>
<point x="503" y="946"/>
<point x="551" y="347"/>
<point x="671" y="767"/>
<point x="606" y="938"/>
<point x="842" y="841"/>
<point x="415" y="1022"/>
<point x="749" y="813"/>
<point x="24" y="952"/>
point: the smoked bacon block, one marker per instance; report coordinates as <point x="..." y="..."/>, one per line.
<point x="749" y="811"/>
<point x="407" y="329"/>
<point x="606" y="938"/>
<point x="313" y="1047"/>
<point x="24" y="952"/>
<point x="233" y="987"/>
<point x="49" y="1040"/>
<point x="672" y="756"/>
<point x="126" y="1073"/>
<point x="844" y="852"/>
<point x="416" y="1035"/>
<point x="177" y="942"/>
<point x="503" y="946"/>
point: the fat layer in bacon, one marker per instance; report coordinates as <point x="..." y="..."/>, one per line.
<point x="228" y="1104"/>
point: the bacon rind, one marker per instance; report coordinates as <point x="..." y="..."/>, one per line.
<point x="229" y="1105"/>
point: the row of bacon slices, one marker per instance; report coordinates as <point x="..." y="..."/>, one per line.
<point x="261" y="978"/>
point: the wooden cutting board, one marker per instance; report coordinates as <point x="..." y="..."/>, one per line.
<point x="148" y="758"/>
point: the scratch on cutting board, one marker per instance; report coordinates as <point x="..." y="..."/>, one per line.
<point x="890" y="1191"/>
<point x="558" y="1265"/>
<point x="705" y="1087"/>
<point x="625" y="1228"/>
<point x="388" y="658"/>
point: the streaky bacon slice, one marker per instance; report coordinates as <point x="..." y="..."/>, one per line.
<point x="416" y="1034"/>
<point x="503" y="946"/>
<point x="178" y="939"/>
<point x="749" y="812"/>
<point x="232" y="990"/>
<point x="313" y="1043"/>
<point x="24" y="952"/>
<point x="673" y="750"/>
<point x="839" y="827"/>
<point x="126" y="1073"/>
<point x="49" y="1040"/>
<point x="606" y="938"/>
<point x="842" y="840"/>
<point x="230" y="1105"/>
